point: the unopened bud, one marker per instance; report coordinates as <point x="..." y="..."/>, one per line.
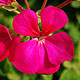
<point x="14" y="4"/>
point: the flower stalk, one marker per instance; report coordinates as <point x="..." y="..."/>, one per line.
<point x="19" y="6"/>
<point x="44" y="3"/>
<point x="27" y="5"/>
<point x="15" y="11"/>
<point x="65" y="3"/>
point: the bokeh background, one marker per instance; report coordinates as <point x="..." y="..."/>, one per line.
<point x="68" y="70"/>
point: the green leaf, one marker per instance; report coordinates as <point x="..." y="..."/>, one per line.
<point x="1" y="73"/>
<point x="77" y="55"/>
<point x="29" y="76"/>
<point x="74" y="32"/>
<point x="70" y="75"/>
<point x="74" y="65"/>
<point x="47" y="77"/>
<point x="75" y="4"/>
<point x="78" y="17"/>
<point x="31" y="2"/>
<point x="13" y="76"/>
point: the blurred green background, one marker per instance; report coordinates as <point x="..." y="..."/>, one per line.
<point x="68" y="70"/>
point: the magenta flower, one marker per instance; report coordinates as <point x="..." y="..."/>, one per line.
<point x="6" y="2"/>
<point x="43" y="54"/>
<point x="5" y="42"/>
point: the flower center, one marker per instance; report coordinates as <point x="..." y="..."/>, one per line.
<point x="40" y="39"/>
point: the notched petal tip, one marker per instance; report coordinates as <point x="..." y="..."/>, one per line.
<point x="26" y="24"/>
<point x="52" y="19"/>
<point x="45" y="66"/>
<point x="49" y="71"/>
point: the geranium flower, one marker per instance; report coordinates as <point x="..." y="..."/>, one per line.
<point x="6" y="2"/>
<point x="5" y="42"/>
<point x="43" y="54"/>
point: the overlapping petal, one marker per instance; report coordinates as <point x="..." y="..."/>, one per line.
<point x="26" y="58"/>
<point x="40" y="57"/>
<point x="5" y="41"/>
<point x="31" y="57"/>
<point x="26" y="23"/>
<point x="15" y="42"/>
<point x="52" y="20"/>
<point x="45" y="66"/>
<point x="59" y="48"/>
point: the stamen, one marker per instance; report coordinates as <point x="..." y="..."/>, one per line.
<point x="27" y="5"/>
<point x="41" y="40"/>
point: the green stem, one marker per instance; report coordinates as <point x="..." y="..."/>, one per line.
<point x="15" y="11"/>
<point x="19" y="6"/>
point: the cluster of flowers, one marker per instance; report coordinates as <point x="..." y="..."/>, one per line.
<point x="44" y="53"/>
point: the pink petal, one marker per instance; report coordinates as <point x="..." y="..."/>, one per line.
<point x="5" y="41"/>
<point x="30" y="57"/>
<point x="6" y="2"/>
<point x="45" y="67"/>
<point x="26" y="58"/>
<point x="52" y="19"/>
<point x="15" y="42"/>
<point x="59" y="48"/>
<point x="26" y="24"/>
